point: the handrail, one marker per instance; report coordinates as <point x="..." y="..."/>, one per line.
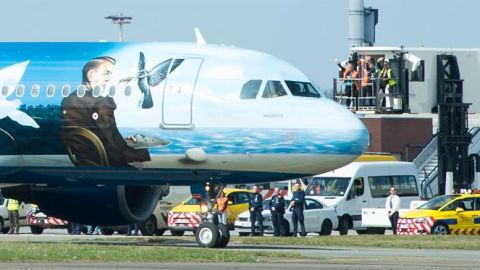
<point x="425" y="155"/>
<point x="430" y="177"/>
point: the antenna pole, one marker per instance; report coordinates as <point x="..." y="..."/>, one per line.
<point x="120" y="20"/>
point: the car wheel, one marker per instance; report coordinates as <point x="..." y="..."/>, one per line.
<point x="224" y="236"/>
<point x="36" y="230"/>
<point x="326" y="227"/>
<point x="105" y="231"/>
<point x="207" y="235"/>
<point x="343" y="226"/>
<point x="160" y="232"/>
<point x="440" y="229"/>
<point x="149" y="226"/>
<point x="177" y="233"/>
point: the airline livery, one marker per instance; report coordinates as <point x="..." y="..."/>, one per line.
<point x="92" y="131"/>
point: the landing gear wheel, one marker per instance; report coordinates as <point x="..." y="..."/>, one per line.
<point x="208" y="235"/>
<point x="224" y="236"/>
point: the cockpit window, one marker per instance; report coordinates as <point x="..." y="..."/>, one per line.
<point x="250" y="89"/>
<point x="302" y="89"/>
<point x="274" y="89"/>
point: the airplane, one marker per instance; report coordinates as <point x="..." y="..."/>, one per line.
<point x="94" y="132"/>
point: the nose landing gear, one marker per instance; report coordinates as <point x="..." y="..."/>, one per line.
<point x="210" y="233"/>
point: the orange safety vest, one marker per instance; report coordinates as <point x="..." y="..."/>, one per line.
<point x="222" y="203"/>
<point x="349" y="75"/>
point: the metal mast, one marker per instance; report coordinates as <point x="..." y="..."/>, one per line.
<point x="120" y="20"/>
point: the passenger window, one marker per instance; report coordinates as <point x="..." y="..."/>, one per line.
<point x="66" y="90"/>
<point x="311" y="204"/>
<point x="5" y="90"/>
<point x="96" y="91"/>
<point x="242" y="197"/>
<point x="35" y="90"/>
<point x="465" y="204"/>
<point x="50" y="90"/>
<point x="357" y="188"/>
<point x="20" y="90"/>
<point x="231" y="198"/>
<point x="250" y="89"/>
<point x="111" y="91"/>
<point x="81" y="89"/>
<point x="273" y="89"/>
<point x="128" y="91"/>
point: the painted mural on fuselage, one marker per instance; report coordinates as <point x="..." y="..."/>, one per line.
<point x="192" y="101"/>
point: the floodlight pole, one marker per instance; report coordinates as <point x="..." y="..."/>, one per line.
<point x="120" y="20"/>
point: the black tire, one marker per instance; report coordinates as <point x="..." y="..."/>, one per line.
<point x="440" y="228"/>
<point x="243" y="234"/>
<point x="177" y="233"/>
<point x="160" y="232"/>
<point x="149" y="226"/>
<point x="207" y="235"/>
<point x="343" y="226"/>
<point x="224" y="236"/>
<point x="36" y="230"/>
<point x="326" y="227"/>
<point x="106" y="231"/>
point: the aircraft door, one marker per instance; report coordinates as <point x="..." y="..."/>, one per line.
<point x="178" y="93"/>
<point x="357" y="200"/>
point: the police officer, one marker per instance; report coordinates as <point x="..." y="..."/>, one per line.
<point x="298" y="203"/>
<point x="278" y="210"/>
<point x="255" y="206"/>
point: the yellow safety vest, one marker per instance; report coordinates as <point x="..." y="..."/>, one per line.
<point x="12" y="205"/>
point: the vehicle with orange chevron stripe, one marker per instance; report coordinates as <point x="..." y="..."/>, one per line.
<point x="447" y="214"/>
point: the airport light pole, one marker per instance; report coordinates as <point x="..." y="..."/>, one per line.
<point x="120" y="20"/>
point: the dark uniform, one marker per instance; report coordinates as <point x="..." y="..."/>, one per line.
<point x="278" y="202"/>
<point x="97" y="115"/>
<point x="297" y="215"/>
<point x="256" y="215"/>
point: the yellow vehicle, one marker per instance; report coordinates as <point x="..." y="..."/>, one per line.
<point x="448" y="214"/>
<point x="186" y="215"/>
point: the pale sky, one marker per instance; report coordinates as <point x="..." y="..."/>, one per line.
<point x="307" y="33"/>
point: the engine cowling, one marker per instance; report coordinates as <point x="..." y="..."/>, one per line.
<point x="92" y="204"/>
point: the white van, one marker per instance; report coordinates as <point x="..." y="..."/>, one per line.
<point x="364" y="185"/>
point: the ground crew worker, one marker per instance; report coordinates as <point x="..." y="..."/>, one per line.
<point x="350" y="78"/>
<point x="255" y="206"/>
<point x="12" y="207"/>
<point x="222" y="204"/>
<point x="393" y="206"/>
<point x="278" y="210"/>
<point x="298" y="203"/>
<point x="387" y="83"/>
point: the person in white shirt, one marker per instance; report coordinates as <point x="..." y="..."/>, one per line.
<point x="393" y="206"/>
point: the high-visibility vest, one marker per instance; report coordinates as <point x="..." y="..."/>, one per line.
<point x="386" y="74"/>
<point x="12" y="205"/>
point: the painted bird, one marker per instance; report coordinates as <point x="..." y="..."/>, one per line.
<point x="148" y="79"/>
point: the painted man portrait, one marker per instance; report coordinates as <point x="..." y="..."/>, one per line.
<point x="93" y="113"/>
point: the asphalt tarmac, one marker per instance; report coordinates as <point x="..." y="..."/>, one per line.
<point x="357" y="258"/>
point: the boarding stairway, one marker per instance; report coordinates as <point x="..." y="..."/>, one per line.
<point x="427" y="163"/>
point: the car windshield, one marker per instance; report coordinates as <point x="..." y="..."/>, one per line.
<point x="192" y="201"/>
<point x="435" y="204"/>
<point x="328" y="186"/>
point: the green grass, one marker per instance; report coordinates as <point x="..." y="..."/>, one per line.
<point x="69" y="252"/>
<point x="383" y="241"/>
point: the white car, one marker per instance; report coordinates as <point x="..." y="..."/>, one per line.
<point x="318" y="218"/>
